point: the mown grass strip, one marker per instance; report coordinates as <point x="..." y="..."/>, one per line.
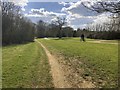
<point x="25" y="66"/>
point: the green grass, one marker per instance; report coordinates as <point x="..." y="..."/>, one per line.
<point x="25" y="66"/>
<point x="100" y="60"/>
<point x="87" y="39"/>
<point x="111" y="41"/>
<point x="0" y="67"/>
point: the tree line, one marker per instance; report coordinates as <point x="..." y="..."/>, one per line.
<point x="53" y="29"/>
<point x="109" y="30"/>
<point x="15" y="27"/>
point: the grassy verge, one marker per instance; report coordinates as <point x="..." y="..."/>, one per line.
<point x="25" y="66"/>
<point x="100" y="60"/>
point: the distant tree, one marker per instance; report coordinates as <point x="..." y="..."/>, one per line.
<point x="53" y="30"/>
<point x="78" y="32"/>
<point x="41" y="27"/>
<point x="60" y="22"/>
<point x="74" y="33"/>
<point x="67" y="32"/>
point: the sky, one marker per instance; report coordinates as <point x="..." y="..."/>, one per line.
<point x="76" y="14"/>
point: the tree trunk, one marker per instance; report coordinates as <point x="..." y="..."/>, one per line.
<point x="60" y="32"/>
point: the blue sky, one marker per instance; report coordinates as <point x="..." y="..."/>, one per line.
<point x="47" y="10"/>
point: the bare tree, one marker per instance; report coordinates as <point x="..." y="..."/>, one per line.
<point x="107" y="6"/>
<point x="60" y="22"/>
<point x="100" y="7"/>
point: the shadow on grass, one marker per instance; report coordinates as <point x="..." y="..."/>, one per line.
<point x="16" y="44"/>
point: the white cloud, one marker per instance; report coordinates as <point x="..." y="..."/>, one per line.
<point x="43" y="13"/>
<point x="23" y="9"/>
<point x="66" y="3"/>
<point x="63" y="3"/>
<point x="78" y="26"/>
<point x="21" y="3"/>
<point x="76" y="14"/>
<point x="80" y="16"/>
<point x="65" y="0"/>
<point x="79" y="9"/>
<point x="52" y="0"/>
<point x="32" y="15"/>
<point x="103" y="18"/>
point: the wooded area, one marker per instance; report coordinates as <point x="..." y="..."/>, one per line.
<point x="15" y="27"/>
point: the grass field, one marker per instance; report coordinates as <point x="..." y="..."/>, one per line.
<point x="100" y="59"/>
<point x="25" y="66"/>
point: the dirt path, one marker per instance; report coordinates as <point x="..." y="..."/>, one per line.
<point x="64" y="76"/>
<point x="102" y="41"/>
<point x="59" y="80"/>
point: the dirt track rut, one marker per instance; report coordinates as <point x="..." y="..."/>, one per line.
<point x="59" y="80"/>
<point x="59" y="74"/>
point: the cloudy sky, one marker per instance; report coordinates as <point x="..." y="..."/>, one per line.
<point x="47" y="10"/>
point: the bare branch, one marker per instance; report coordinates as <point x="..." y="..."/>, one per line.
<point x="101" y="7"/>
